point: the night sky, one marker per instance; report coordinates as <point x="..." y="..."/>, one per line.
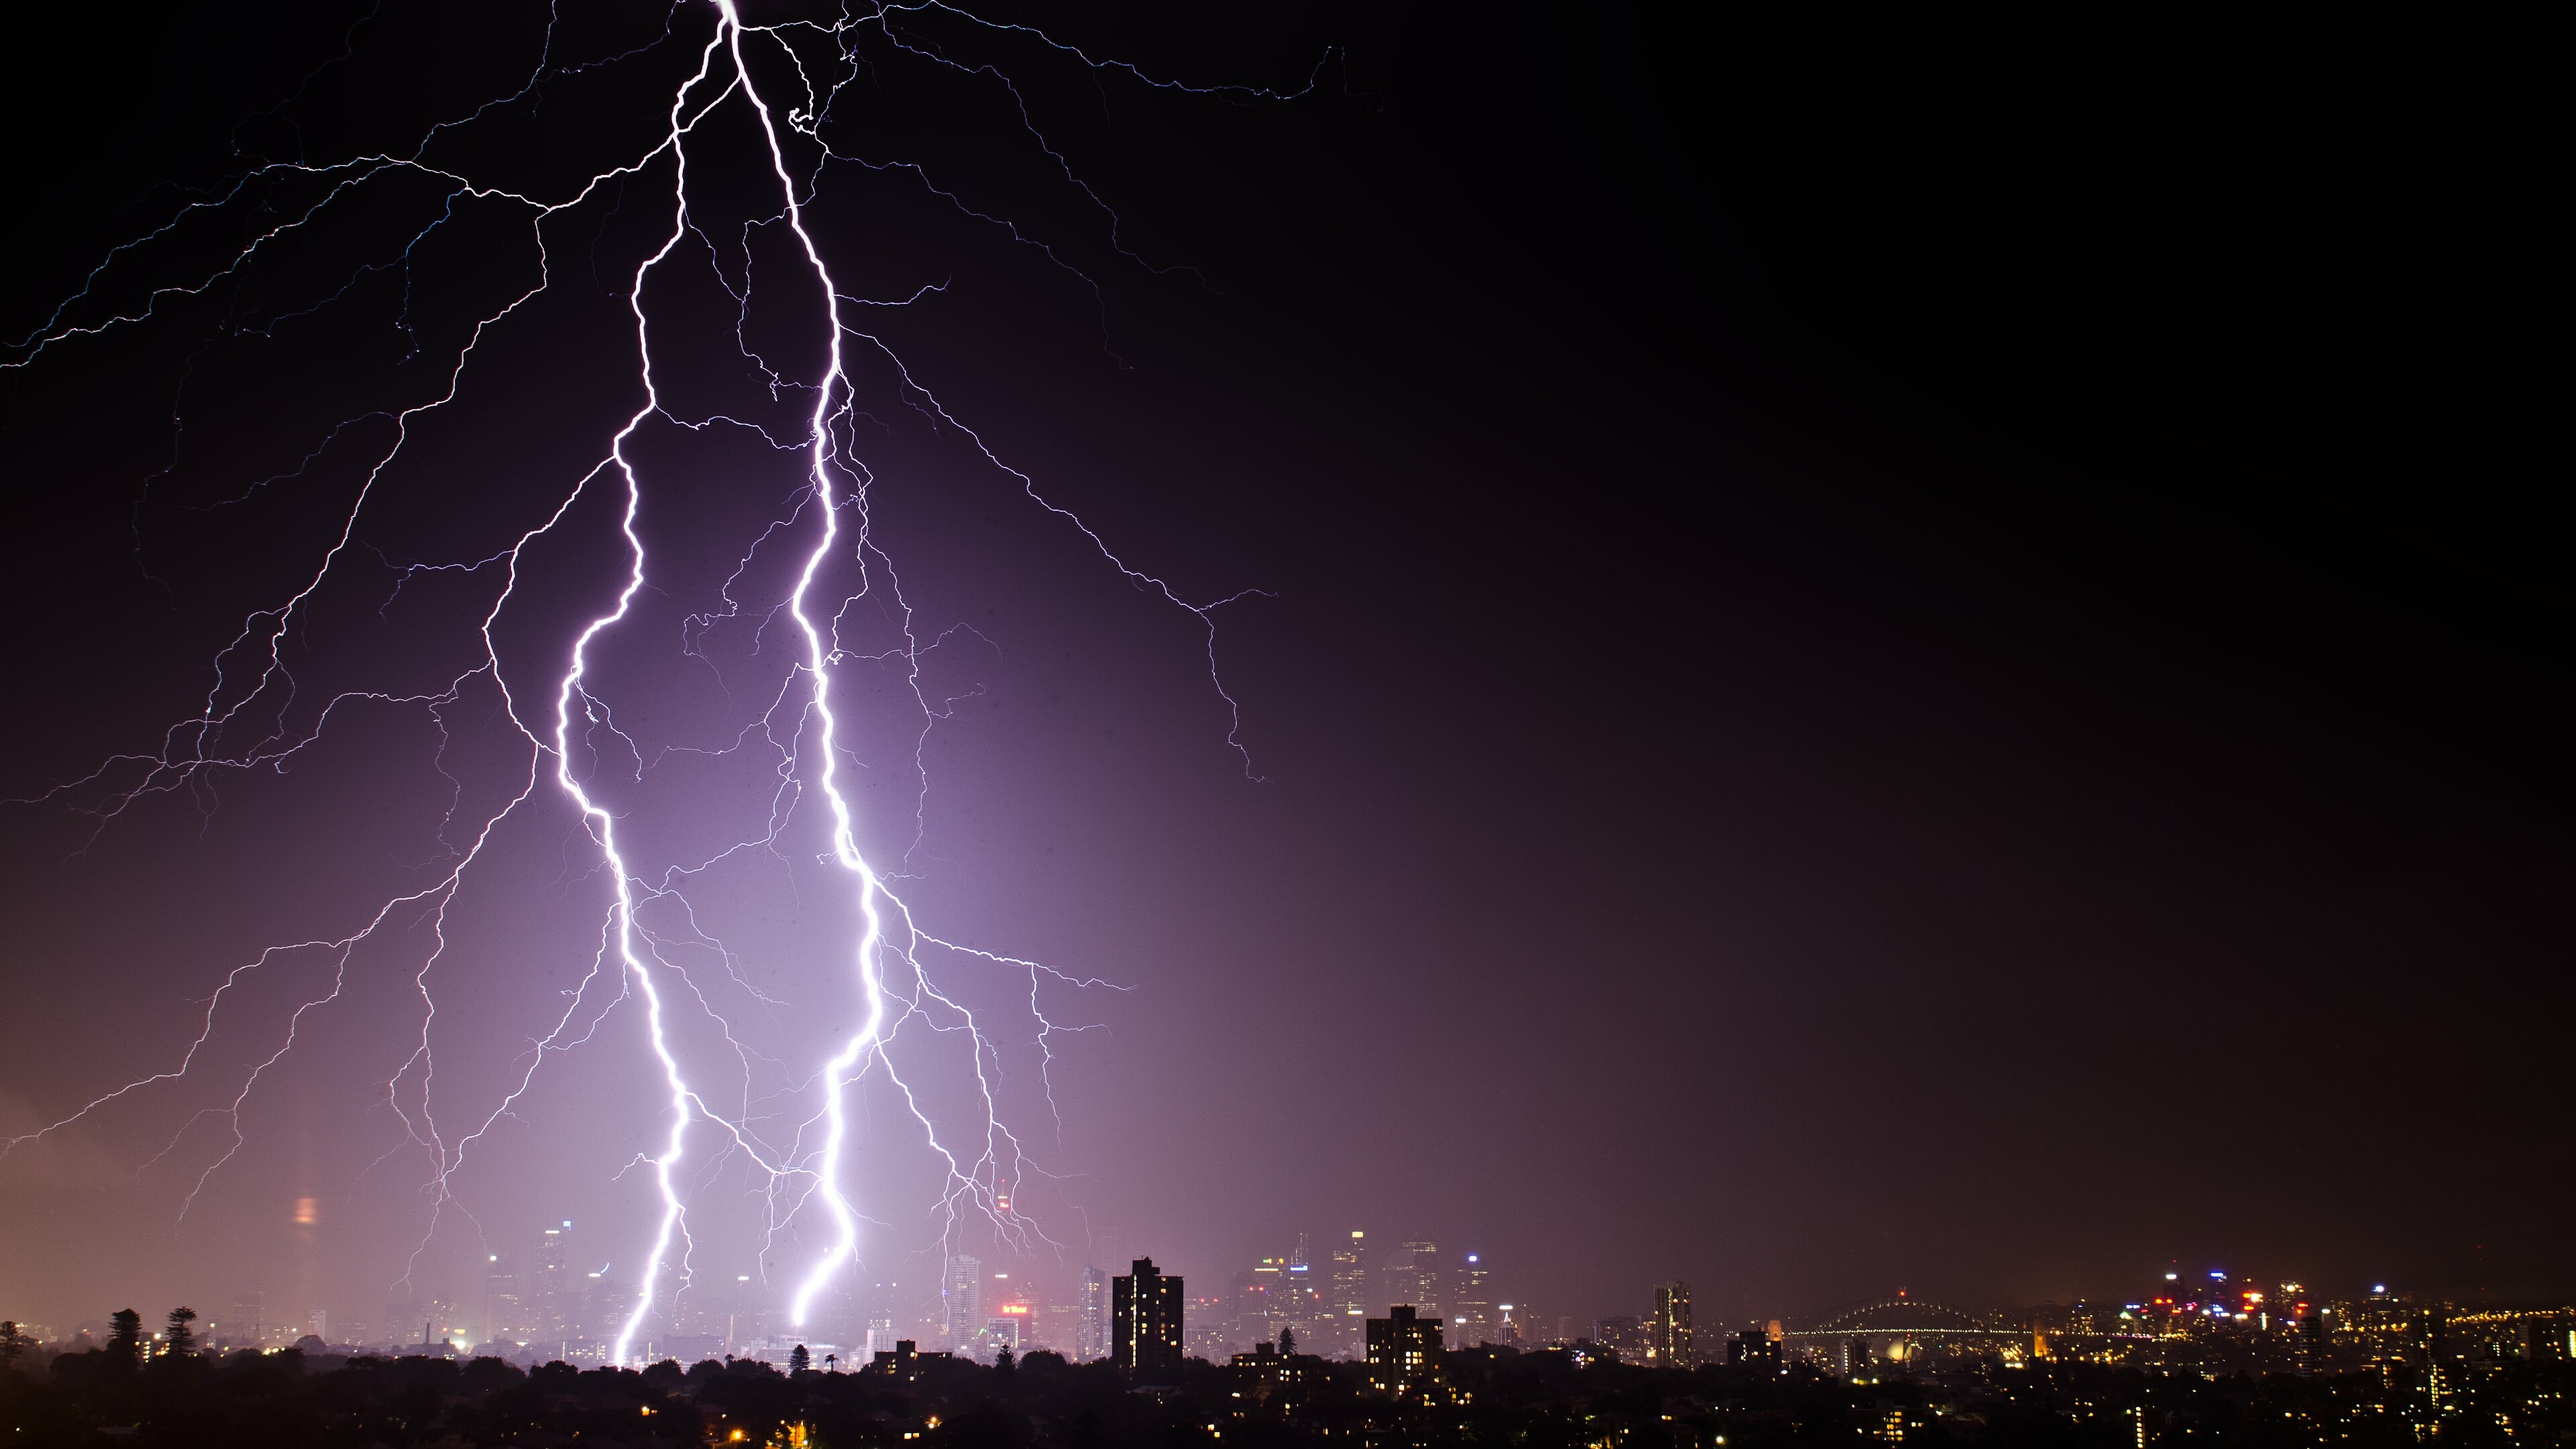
<point x="1893" y="649"/>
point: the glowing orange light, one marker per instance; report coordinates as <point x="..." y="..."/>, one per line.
<point x="307" y="1212"/>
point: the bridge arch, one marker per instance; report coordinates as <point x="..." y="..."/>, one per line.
<point x="1853" y="1320"/>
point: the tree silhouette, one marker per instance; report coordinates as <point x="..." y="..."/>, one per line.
<point x="1287" y="1342"/>
<point x="1003" y="1363"/>
<point x="798" y="1360"/>
<point x="182" y="1339"/>
<point x="13" y="1342"/>
<point x="125" y="1335"/>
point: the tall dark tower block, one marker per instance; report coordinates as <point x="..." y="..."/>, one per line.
<point x="1145" y="1320"/>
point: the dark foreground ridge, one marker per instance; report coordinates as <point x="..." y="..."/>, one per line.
<point x="1486" y="1397"/>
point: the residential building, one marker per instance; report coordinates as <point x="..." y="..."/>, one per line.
<point x="1668" y="1331"/>
<point x="1404" y="1354"/>
<point x="1145" y="1306"/>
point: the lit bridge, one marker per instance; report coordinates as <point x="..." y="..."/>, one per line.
<point x="1903" y="1318"/>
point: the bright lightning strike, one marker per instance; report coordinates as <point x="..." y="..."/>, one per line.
<point x="784" y="78"/>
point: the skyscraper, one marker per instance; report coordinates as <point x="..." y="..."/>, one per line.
<point x="1471" y="1304"/>
<point x="1145" y="1320"/>
<point x="1668" y="1332"/>
<point x="1419" y="1279"/>
<point x="1091" y="1317"/>
<point x="504" y="1314"/>
<point x="556" y="1293"/>
<point x="2433" y="1344"/>
<point x="961" y="1303"/>
<point x="1404" y="1354"/>
<point x="1349" y="1300"/>
<point x="1301" y="1303"/>
<point x="1259" y="1300"/>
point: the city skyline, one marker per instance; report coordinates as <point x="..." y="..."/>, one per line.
<point x="543" y="1305"/>
<point x="1152" y="1329"/>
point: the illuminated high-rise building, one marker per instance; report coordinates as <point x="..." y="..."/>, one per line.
<point x="1471" y="1303"/>
<point x="1668" y="1330"/>
<point x="961" y="1304"/>
<point x="1418" y="1278"/>
<point x="1145" y="1306"/>
<point x="1349" y="1294"/>
<point x="504" y="1311"/>
<point x="604" y="1302"/>
<point x="556" y="1292"/>
<point x="2433" y="1345"/>
<point x="1258" y="1300"/>
<point x="1404" y="1354"/>
<point x="1301" y="1304"/>
<point x="1091" y="1317"/>
<point x="1028" y="1325"/>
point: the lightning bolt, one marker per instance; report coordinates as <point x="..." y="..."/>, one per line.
<point x="252" y="719"/>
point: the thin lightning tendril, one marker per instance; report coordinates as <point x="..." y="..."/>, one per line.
<point x="246" y="720"/>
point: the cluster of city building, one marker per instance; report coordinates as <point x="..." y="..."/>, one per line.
<point x="552" y="1304"/>
<point x="2438" y="1375"/>
<point x="1398" y="1308"/>
<point x="1291" y="1303"/>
